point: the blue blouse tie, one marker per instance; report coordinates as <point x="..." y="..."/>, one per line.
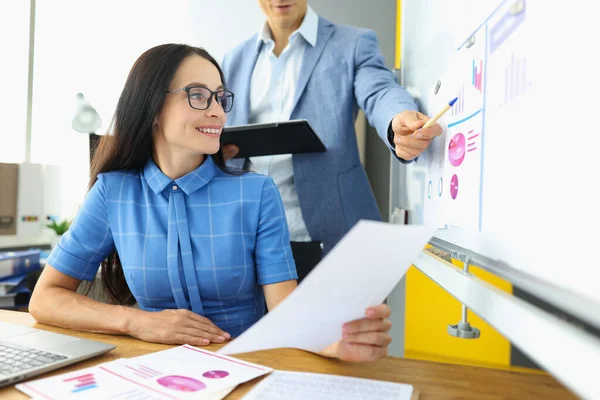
<point x="179" y="254"/>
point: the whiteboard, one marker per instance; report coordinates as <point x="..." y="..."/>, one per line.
<point x="538" y="206"/>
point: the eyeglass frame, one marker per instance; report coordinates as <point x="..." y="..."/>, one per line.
<point x="210" y="99"/>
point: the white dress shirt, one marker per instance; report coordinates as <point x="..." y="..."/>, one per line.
<point x="272" y="89"/>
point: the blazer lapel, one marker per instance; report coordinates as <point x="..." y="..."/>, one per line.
<point x="311" y="56"/>
<point x="242" y="95"/>
<point x="242" y="92"/>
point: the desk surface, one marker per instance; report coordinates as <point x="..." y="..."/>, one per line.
<point x="434" y="381"/>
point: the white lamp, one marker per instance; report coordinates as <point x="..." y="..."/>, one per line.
<point x="86" y="120"/>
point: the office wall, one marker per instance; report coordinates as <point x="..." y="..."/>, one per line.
<point x="219" y="26"/>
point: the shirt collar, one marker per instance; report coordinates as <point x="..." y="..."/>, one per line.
<point x="308" y="29"/>
<point x="189" y="183"/>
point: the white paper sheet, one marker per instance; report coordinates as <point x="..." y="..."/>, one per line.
<point x="284" y="385"/>
<point x="433" y="160"/>
<point x="464" y="135"/>
<point x="358" y="273"/>
<point x="183" y="372"/>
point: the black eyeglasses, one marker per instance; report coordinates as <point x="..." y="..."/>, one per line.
<point x="200" y="97"/>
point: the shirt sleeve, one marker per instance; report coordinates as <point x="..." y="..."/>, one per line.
<point x="392" y="146"/>
<point x="88" y="241"/>
<point x="273" y="254"/>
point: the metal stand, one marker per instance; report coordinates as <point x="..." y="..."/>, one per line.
<point x="463" y="329"/>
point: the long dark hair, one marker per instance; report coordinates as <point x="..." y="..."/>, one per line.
<point x="130" y="144"/>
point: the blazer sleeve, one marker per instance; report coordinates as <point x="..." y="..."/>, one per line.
<point x="376" y="88"/>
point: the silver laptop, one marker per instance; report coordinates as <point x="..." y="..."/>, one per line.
<point x="26" y="352"/>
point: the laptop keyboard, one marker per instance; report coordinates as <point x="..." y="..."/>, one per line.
<point x="15" y="359"/>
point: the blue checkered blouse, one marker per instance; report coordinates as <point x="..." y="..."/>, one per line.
<point x="204" y="242"/>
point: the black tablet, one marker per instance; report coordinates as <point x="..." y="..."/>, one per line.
<point x="287" y="137"/>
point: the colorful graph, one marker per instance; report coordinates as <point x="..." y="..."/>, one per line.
<point x="215" y="374"/>
<point x="454" y="186"/>
<point x="181" y="383"/>
<point x="82" y="382"/>
<point x="456" y="149"/>
<point x="477" y="75"/>
<point x="459" y="106"/>
<point x="515" y="78"/>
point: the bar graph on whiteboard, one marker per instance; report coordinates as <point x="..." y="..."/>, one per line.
<point x="516" y="81"/>
<point x="477" y="75"/>
<point x="459" y="106"/>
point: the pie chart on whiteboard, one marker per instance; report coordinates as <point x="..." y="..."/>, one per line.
<point x="456" y="149"/>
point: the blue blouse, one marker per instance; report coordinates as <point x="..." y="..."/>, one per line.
<point x="204" y="242"/>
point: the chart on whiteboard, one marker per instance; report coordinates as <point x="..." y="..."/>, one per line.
<point x="453" y="177"/>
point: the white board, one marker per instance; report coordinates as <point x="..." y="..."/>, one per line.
<point x="538" y="208"/>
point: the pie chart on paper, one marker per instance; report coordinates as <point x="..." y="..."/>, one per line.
<point x="454" y="186"/>
<point x="456" y="149"/>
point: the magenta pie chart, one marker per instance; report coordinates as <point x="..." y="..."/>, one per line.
<point x="454" y="186"/>
<point x="215" y="374"/>
<point x="181" y="383"/>
<point x="456" y="149"/>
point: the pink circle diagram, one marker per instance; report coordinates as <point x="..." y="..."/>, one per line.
<point x="454" y="186"/>
<point x="215" y="374"/>
<point x="181" y="383"/>
<point x="457" y="149"/>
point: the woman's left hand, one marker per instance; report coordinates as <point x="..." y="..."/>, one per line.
<point x="365" y="339"/>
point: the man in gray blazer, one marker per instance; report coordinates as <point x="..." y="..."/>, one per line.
<point x="302" y="66"/>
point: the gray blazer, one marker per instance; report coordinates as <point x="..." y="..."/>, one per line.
<point x="344" y="71"/>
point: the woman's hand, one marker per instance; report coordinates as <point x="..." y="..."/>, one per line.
<point x="365" y="339"/>
<point x="176" y="327"/>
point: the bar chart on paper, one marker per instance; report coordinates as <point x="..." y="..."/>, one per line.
<point x="82" y="382"/>
<point x="463" y="137"/>
<point x="90" y="384"/>
<point x="453" y="176"/>
<point x="477" y="75"/>
<point x="459" y="106"/>
<point x="182" y="372"/>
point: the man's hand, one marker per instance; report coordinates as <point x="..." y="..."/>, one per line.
<point x="409" y="136"/>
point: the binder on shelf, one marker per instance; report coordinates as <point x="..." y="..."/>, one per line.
<point x="15" y="291"/>
<point x="19" y="262"/>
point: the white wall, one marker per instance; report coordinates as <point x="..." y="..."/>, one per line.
<point x="218" y="26"/>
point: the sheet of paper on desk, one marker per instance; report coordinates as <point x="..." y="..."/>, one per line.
<point x="182" y="372"/>
<point x="89" y="383"/>
<point x="359" y="272"/>
<point x="285" y="385"/>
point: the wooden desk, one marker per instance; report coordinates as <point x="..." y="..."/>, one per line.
<point x="434" y="381"/>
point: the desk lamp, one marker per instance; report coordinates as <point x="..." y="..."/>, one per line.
<point x="87" y="120"/>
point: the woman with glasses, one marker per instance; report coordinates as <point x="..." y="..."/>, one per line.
<point x="201" y="248"/>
